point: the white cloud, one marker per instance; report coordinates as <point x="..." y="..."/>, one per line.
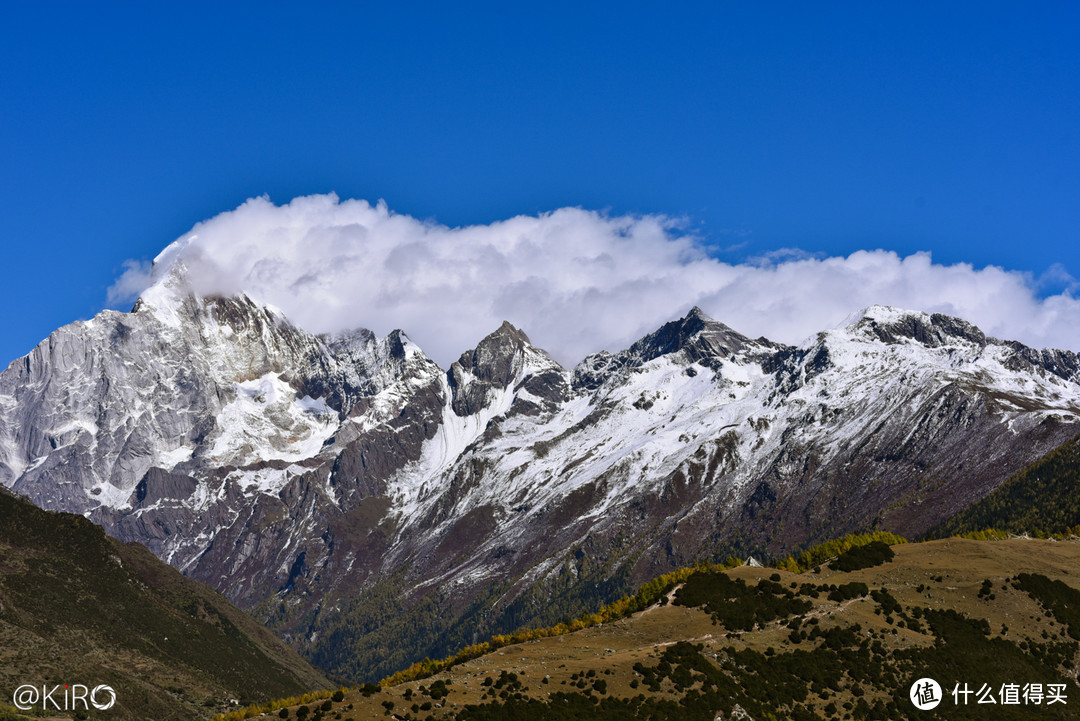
<point x="576" y="281"/>
<point x="135" y="278"/>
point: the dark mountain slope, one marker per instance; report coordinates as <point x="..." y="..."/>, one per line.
<point x="1042" y="498"/>
<point x="79" y="607"/>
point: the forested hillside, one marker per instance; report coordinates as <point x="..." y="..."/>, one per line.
<point x="1041" y="499"/>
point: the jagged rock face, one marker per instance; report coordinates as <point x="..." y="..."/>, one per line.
<point x="293" y="471"/>
<point x="506" y="361"/>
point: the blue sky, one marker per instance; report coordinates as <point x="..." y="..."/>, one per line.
<point x="908" y="128"/>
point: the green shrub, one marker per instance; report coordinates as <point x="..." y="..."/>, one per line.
<point x="872" y="554"/>
<point x="735" y="604"/>
<point x="855" y="589"/>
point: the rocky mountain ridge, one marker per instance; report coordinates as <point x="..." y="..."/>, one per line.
<point x="299" y="473"/>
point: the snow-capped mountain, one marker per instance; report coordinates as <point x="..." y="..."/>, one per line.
<point x="298" y="473"/>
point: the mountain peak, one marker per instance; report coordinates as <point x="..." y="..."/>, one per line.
<point x="502" y="358"/>
<point x="881" y="314"/>
<point x="169" y="291"/>
<point x="402" y="346"/>
<point x="696" y="335"/>
<point x="895" y="325"/>
<point x="696" y="313"/>
<point x="491" y="358"/>
<point x="508" y="330"/>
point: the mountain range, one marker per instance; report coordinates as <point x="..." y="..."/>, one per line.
<point x="374" y="508"/>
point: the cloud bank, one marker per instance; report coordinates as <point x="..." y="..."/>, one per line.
<point x="576" y="281"/>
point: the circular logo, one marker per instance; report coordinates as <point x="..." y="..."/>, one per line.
<point x="925" y="694"/>
<point x="103" y="689"/>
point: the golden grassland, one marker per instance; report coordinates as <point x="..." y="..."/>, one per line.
<point x="950" y="574"/>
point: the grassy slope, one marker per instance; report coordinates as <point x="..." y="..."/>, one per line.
<point x="79" y="607"/>
<point x="1041" y="497"/>
<point x="837" y="671"/>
